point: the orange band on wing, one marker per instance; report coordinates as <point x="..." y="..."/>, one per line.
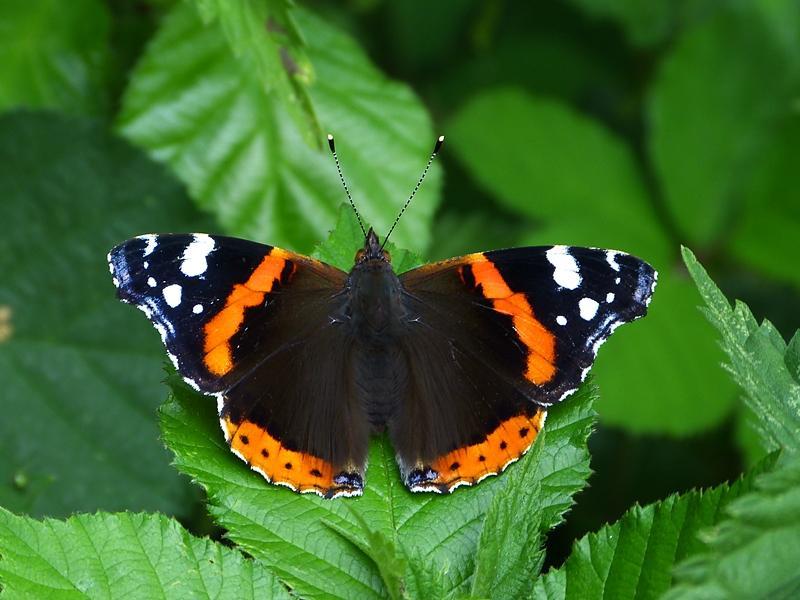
<point x="540" y="342"/>
<point x="504" y="445"/>
<point x="297" y="470"/>
<point x="224" y="325"/>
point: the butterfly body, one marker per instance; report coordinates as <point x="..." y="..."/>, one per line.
<point x="456" y="361"/>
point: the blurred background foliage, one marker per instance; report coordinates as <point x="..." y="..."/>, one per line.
<point x="631" y="125"/>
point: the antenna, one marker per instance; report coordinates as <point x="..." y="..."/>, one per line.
<point x="332" y="146"/>
<point x="436" y="148"/>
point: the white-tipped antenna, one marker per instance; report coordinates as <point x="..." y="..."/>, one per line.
<point x="332" y="146"/>
<point x="436" y="148"/>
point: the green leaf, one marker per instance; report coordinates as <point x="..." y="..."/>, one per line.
<point x="766" y="236"/>
<point x="793" y="356"/>
<point x="510" y="553"/>
<point x="526" y="151"/>
<point x="757" y="360"/>
<point x="425" y="579"/>
<point x="192" y="104"/>
<point x="634" y="557"/>
<point x="754" y="553"/>
<point x="671" y="360"/>
<point x="709" y="132"/>
<point x="265" y="34"/>
<point x="317" y="546"/>
<point x="54" y="54"/>
<point x="381" y="550"/>
<point x="122" y="556"/>
<point x="79" y="397"/>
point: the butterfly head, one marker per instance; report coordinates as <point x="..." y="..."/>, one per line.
<point x="372" y="249"/>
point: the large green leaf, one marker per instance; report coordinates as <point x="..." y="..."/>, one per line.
<point x="755" y="552"/>
<point x="78" y="394"/>
<point x="122" y="556"/>
<point x="542" y="159"/>
<point x="634" y="557"/>
<point x="551" y="164"/>
<point x="54" y="54"/>
<point x="301" y="537"/>
<point x="192" y="104"/>
<point x="662" y="373"/>
<point x="758" y="359"/>
<point x="712" y="110"/>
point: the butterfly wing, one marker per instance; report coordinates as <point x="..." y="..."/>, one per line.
<point x="528" y="320"/>
<point x="248" y="323"/>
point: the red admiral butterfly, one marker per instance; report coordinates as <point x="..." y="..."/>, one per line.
<point x="458" y="361"/>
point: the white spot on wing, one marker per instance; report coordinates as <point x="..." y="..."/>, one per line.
<point x="152" y="242"/>
<point x="146" y="265"/>
<point x="566" y="273"/>
<point x="587" y="306"/>
<point x="197" y="309"/>
<point x="610" y="297"/>
<point x="172" y="294"/>
<point x="611" y="259"/>
<point x="561" y="320"/>
<point x="151" y="282"/>
<point x="195" y="256"/>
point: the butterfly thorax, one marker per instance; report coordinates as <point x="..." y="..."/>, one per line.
<point x="376" y="310"/>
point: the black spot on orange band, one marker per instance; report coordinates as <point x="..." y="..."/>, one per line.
<point x="297" y="470"/>
<point x="469" y="465"/>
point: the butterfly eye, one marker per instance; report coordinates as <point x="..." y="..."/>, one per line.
<point x="386" y="256"/>
<point x="360" y="255"/>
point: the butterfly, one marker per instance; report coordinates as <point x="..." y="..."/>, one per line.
<point x="456" y="361"/>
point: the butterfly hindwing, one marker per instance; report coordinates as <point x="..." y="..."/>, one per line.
<point x="248" y="323"/>
<point x="528" y="320"/>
